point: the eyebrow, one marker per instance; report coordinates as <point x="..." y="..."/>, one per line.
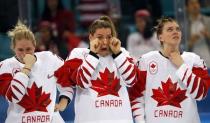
<point x="103" y="35"/>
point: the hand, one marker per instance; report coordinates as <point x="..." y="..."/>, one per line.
<point x="205" y="33"/>
<point x="29" y="60"/>
<point x="61" y="106"/>
<point x="115" y="45"/>
<point x="193" y="39"/>
<point x="176" y="58"/>
<point x="95" y="45"/>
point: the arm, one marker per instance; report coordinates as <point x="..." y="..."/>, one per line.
<point x="126" y="67"/>
<point x="195" y="79"/>
<point x="13" y="87"/>
<point x="136" y="94"/>
<point x="64" y="87"/>
<point x="78" y="69"/>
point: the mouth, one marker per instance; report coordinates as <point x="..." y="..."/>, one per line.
<point x="103" y="49"/>
<point x="176" y="37"/>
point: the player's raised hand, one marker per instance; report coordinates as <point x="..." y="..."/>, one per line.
<point x="29" y="60"/>
<point x="175" y="58"/>
<point x="115" y="45"/>
<point x="95" y="45"/>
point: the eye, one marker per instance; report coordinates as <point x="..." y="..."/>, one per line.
<point x="178" y="29"/>
<point x="100" y="37"/>
<point x="109" y="37"/>
<point x="28" y="49"/>
<point x="20" y="50"/>
<point x="169" y="29"/>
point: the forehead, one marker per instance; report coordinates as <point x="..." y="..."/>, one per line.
<point x="103" y="31"/>
<point x="170" y="24"/>
<point x="23" y="42"/>
<point x="192" y="1"/>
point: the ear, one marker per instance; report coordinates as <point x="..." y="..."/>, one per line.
<point x="90" y="37"/>
<point x="160" y="38"/>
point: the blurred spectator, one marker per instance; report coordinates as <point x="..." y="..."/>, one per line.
<point x="89" y="10"/>
<point x="63" y="24"/>
<point x="198" y="30"/>
<point x="131" y="6"/>
<point x="205" y="3"/>
<point x="46" y="40"/>
<point x="73" y="41"/>
<point x="144" y="40"/>
<point x="8" y="14"/>
<point x="55" y="12"/>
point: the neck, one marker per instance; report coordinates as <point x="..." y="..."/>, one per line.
<point x="167" y="50"/>
<point x="194" y="16"/>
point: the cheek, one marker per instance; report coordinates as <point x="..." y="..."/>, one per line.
<point x="19" y="54"/>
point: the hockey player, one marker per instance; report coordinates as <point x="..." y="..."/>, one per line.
<point x="100" y="75"/>
<point x="175" y="80"/>
<point x="27" y="81"/>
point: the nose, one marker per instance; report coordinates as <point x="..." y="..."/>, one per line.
<point x="105" y="41"/>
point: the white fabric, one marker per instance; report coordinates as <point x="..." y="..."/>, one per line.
<point x="41" y="75"/>
<point x="159" y="70"/>
<point x="89" y="106"/>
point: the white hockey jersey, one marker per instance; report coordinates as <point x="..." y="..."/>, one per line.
<point x="32" y="98"/>
<point x="171" y="93"/>
<point x="101" y="94"/>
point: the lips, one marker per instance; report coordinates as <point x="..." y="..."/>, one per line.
<point x="175" y="37"/>
<point x="103" y="49"/>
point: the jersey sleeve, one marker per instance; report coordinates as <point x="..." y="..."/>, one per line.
<point x="13" y="87"/>
<point x="64" y="87"/>
<point x="137" y="92"/>
<point x="78" y="68"/>
<point x="196" y="79"/>
<point x="126" y="67"/>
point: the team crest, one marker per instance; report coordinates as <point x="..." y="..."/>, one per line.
<point x="15" y="70"/>
<point x="153" y="67"/>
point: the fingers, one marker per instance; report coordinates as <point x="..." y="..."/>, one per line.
<point x="58" y="108"/>
<point x="115" y="45"/>
<point x="114" y="42"/>
<point x="94" y="45"/>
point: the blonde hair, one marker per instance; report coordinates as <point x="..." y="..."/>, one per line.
<point x="103" y="22"/>
<point x="21" y="31"/>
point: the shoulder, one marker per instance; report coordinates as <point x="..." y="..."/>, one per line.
<point x="206" y="17"/>
<point x="8" y="61"/>
<point x="135" y="35"/>
<point x="151" y="54"/>
<point x="44" y="54"/>
<point x="190" y="55"/>
<point x="193" y="58"/>
<point x="80" y="50"/>
<point x="78" y="53"/>
<point x="47" y="56"/>
<point x="8" y="64"/>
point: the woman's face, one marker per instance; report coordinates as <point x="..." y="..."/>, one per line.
<point x="193" y="7"/>
<point x="140" y="23"/>
<point x="104" y="36"/>
<point x="171" y="34"/>
<point x="52" y="4"/>
<point x="23" y="47"/>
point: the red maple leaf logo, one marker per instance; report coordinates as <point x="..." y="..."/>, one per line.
<point x="35" y="100"/>
<point x="169" y="94"/>
<point x="108" y="84"/>
<point x="153" y="66"/>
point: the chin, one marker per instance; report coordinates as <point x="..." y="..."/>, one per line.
<point x="103" y="54"/>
